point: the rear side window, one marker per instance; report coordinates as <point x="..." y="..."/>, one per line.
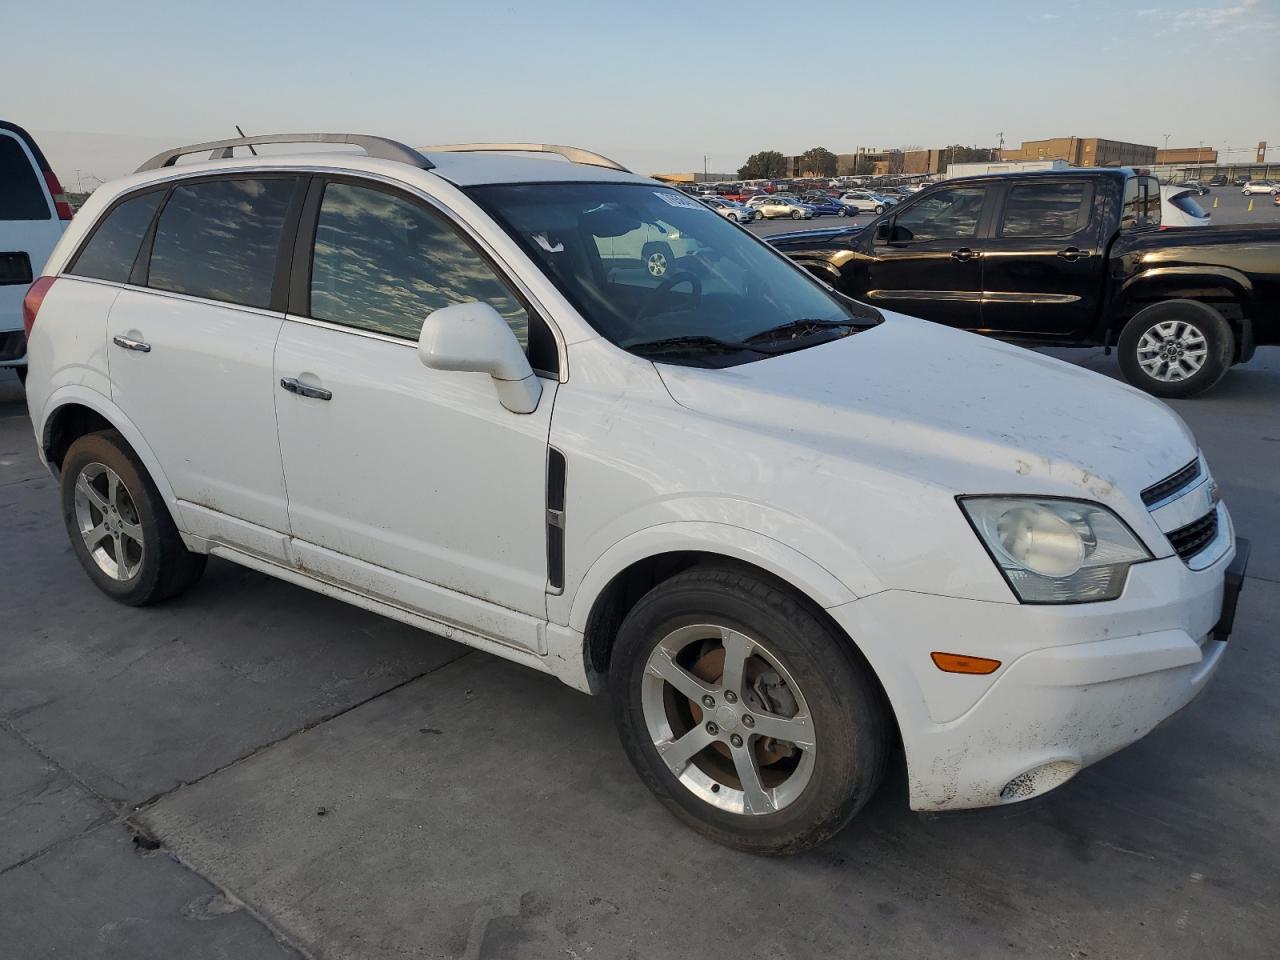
<point x="21" y="195"/>
<point x="382" y="263"/>
<point x="110" y="252"/>
<point x="1046" y="209"/>
<point x="220" y="239"/>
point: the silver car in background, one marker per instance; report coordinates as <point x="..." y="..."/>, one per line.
<point x="730" y="209"/>
<point x="772" y="207"/>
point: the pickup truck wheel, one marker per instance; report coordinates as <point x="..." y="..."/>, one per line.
<point x="743" y="712"/>
<point x="1174" y="349"/>
<point x="120" y="529"/>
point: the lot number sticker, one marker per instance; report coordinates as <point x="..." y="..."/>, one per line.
<point x="678" y="200"/>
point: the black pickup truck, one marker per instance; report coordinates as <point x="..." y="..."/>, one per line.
<point x="1066" y="257"/>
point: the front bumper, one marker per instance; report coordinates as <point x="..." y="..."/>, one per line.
<point x="1076" y="683"/>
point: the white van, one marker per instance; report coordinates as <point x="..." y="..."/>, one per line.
<point x="787" y="531"/>
<point x="33" y="214"/>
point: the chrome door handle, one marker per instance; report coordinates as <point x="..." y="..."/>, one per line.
<point x="963" y="255"/>
<point x="1074" y="253"/>
<point x="130" y="344"/>
<point x="294" y="385"/>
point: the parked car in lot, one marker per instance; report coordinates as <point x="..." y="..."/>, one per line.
<point x="787" y="531"/>
<point x="729" y="209"/>
<point x="776" y="205"/>
<point x="1195" y="186"/>
<point x="33" y="213"/>
<point x="827" y="207"/>
<point x="861" y="201"/>
<point x="1178" y="208"/>
<point x="1241" y="181"/>
<point x="1259" y="186"/>
<point x="1219" y="181"/>
<point x="1069" y="257"/>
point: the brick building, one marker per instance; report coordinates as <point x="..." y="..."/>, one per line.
<point x="1187" y="155"/>
<point x="1084" y="152"/>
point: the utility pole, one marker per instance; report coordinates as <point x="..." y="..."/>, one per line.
<point x="1001" y="147"/>
<point x="1166" y="140"/>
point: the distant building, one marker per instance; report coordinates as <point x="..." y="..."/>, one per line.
<point x="693" y="177"/>
<point x="1084" y="152"/>
<point x="1001" y="166"/>
<point x="1187" y="155"/>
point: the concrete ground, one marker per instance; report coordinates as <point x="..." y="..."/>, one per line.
<point x="1232" y="208"/>
<point x="253" y="770"/>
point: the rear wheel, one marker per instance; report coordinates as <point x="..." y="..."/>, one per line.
<point x="119" y="526"/>
<point x="1174" y="349"/>
<point x="657" y="259"/>
<point x="744" y="713"/>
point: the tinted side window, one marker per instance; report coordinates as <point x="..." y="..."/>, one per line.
<point x="944" y="214"/>
<point x="219" y="239"/>
<point x="383" y="262"/>
<point x="110" y="252"/>
<point x="1141" y="205"/>
<point x="21" y="196"/>
<point x="1046" y="209"/>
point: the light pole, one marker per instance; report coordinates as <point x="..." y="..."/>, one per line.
<point x="1166" y="140"/>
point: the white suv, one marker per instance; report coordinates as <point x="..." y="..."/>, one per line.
<point x="785" y="530"/>
<point x="33" y="214"/>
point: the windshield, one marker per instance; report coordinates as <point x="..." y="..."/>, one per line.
<point x="656" y="272"/>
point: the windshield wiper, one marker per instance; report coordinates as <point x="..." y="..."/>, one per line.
<point x="695" y="343"/>
<point x="798" y="330"/>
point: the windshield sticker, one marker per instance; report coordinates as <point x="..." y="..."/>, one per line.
<point x="678" y="200"/>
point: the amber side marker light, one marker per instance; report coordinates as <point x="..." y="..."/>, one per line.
<point x="959" y="663"/>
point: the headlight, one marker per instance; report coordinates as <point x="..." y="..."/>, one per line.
<point x="1056" y="551"/>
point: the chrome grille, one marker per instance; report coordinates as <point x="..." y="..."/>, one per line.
<point x="1195" y="536"/>
<point x="1172" y="483"/>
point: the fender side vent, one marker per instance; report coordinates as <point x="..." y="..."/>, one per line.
<point x="556" y="477"/>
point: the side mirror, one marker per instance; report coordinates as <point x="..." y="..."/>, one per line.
<point x="473" y="337"/>
<point x="884" y="230"/>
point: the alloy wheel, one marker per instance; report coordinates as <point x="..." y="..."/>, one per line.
<point x="728" y="719"/>
<point x="108" y="521"/>
<point x="1172" y="351"/>
<point x="656" y="264"/>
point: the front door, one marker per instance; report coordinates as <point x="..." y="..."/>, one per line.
<point x="1040" y="268"/>
<point x="191" y="357"/>
<point x="931" y="265"/>
<point x="412" y="484"/>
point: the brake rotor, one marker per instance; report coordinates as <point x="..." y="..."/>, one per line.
<point x="710" y="668"/>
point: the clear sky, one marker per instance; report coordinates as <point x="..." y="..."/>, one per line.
<point x="656" y="85"/>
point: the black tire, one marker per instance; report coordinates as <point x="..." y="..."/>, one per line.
<point x="879" y="208"/>
<point x="842" y="212"/>
<point x="733" y="217"/>
<point x="797" y="215"/>
<point x="1202" y="318"/>
<point x="843" y="701"/>
<point x="662" y="266"/>
<point x="167" y="567"/>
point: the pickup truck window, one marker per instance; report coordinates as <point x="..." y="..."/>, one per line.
<point x="943" y="215"/>
<point x="1141" y="205"/>
<point x="1053" y="209"/>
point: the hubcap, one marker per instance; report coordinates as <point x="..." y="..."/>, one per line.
<point x="1172" y="351"/>
<point x="657" y="264"/>
<point x="728" y="719"/>
<point x="108" y="521"/>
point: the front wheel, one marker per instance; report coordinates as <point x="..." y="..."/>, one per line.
<point x="1177" y="348"/>
<point x="733" y="217"/>
<point x="744" y="712"/>
<point x="797" y="215"/>
<point x="879" y="208"/>
<point x="842" y="212"/>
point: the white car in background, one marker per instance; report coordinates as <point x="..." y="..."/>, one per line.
<point x="1259" y="186"/>
<point x="866" y="202"/>
<point x="33" y="213"/>
<point x="729" y="209"/>
<point x="790" y="534"/>
<point x="1179" y="208"/>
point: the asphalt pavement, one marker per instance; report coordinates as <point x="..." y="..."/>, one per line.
<point x="253" y="770"/>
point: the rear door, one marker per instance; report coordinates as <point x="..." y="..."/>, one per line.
<point x="29" y="228"/>
<point x="931" y="264"/>
<point x="190" y="347"/>
<point x="1041" y="268"/>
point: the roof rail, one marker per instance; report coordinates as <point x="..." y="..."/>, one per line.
<point x="378" y="147"/>
<point x="572" y="154"/>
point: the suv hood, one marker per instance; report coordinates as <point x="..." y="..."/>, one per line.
<point x="951" y="409"/>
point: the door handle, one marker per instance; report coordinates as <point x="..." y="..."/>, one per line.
<point x="294" y="385"/>
<point x="130" y="344"/>
<point x="964" y="255"/>
<point x="1074" y="253"/>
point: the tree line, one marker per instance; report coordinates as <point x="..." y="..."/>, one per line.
<point x="821" y="162"/>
